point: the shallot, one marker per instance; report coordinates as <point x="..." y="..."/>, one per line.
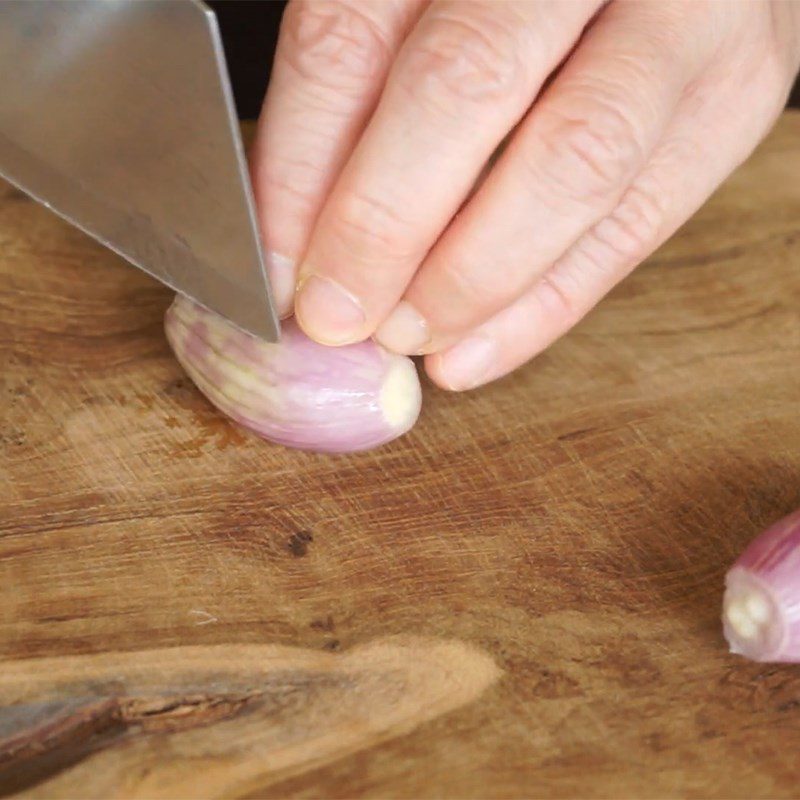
<point x="297" y="393"/>
<point x="761" y="607"/>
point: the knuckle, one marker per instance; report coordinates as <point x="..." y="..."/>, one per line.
<point x="295" y="179"/>
<point x="333" y="43"/>
<point x="633" y="229"/>
<point x="590" y="154"/>
<point x="461" y="62"/>
<point x="604" y="255"/>
<point x="362" y="220"/>
<point x="557" y="292"/>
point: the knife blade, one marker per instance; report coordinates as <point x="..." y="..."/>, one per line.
<point x="118" y="115"/>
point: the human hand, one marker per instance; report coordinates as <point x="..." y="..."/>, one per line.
<point x="620" y="120"/>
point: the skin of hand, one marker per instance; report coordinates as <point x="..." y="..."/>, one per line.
<point x="388" y="210"/>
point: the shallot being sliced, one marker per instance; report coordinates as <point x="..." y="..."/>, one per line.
<point x="297" y="392"/>
<point x="761" y="608"/>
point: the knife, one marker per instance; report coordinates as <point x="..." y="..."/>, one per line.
<point x="118" y="115"/>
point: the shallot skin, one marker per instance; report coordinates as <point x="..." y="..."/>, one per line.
<point x="297" y="392"/>
<point x="761" y="607"/>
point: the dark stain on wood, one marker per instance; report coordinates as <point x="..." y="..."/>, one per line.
<point x="299" y="542"/>
<point x="13" y="195"/>
<point x="328" y="625"/>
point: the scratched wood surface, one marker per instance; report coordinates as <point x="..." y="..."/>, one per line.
<point x="518" y="599"/>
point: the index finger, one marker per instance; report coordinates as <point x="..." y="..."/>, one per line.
<point x="330" y="65"/>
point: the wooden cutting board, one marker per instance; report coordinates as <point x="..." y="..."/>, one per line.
<point x="518" y="599"/>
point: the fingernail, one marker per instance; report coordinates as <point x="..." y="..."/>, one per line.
<point x="281" y="273"/>
<point x="468" y="364"/>
<point x="404" y="330"/>
<point x="327" y="312"/>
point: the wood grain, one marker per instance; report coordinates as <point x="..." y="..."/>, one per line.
<point x="571" y="524"/>
<point x="160" y="723"/>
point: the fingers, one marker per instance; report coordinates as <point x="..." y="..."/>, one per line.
<point x="708" y="138"/>
<point x="566" y="167"/>
<point x="330" y="66"/>
<point x="463" y="78"/>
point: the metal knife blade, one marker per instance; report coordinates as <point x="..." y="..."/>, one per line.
<point x="118" y="115"/>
